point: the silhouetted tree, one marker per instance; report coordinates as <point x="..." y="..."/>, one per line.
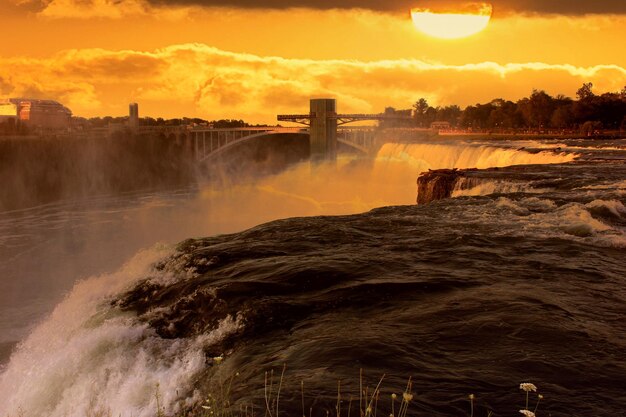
<point x="563" y="116"/>
<point x="450" y="114"/>
<point x="537" y="109"/>
<point x="228" y="123"/>
<point x="585" y="92"/>
<point x="420" y="107"/>
<point x="399" y="122"/>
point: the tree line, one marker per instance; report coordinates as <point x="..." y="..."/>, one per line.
<point x="539" y="111"/>
<point x="100" y="122"/>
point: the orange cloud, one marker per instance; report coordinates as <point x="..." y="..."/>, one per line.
<point x="199" y="80"/>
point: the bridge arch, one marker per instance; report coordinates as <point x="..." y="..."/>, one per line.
<point x="209" y="148"/>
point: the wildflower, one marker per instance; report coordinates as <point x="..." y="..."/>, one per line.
<point x="206" y="408"/>
<point x="527" y="386"/>
<point x="218" y="359"/>
<point x="394" y="396"/>
<point x="471" y="396"/>
<point x="527" y="413"/>
<point x="407" y="397"/>
<point x="539" y="398"/>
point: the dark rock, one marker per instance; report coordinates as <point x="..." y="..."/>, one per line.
<point x="437" y="184"/>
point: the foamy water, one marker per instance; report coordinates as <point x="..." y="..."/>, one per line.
<point x="467" y="188"/>
<point x="87" y="357"/>
<point x="599" y="223"/>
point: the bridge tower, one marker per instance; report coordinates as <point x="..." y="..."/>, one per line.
<point x="133" y="115"/>
<point x="323" y="130"/>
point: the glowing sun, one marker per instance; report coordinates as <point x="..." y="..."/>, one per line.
<point x="452" y="24"/>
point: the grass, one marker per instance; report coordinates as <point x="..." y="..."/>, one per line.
<point x="218" y="402"/>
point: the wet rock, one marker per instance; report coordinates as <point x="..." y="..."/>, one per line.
<point x="436" y="184"/>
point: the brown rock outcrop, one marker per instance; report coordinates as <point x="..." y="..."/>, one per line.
<point x="436" y="184"/>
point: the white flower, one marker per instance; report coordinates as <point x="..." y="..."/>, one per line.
<point x="527" y="386"/>
<point x="394" y="396"/>
<point x="471" y="396"/>
<point x="527" y="413"/>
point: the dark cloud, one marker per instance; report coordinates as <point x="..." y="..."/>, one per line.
<point x="565" y="7"/>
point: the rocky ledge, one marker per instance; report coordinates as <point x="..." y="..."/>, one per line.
<point x="437" y="184"/>
<point x="445" y="183"/>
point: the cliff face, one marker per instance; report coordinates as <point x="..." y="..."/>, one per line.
<point x="437" y="184"/>
<point x="42" y="170"/>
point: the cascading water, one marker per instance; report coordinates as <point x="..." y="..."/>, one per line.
<point x="467" y="295"/>
<point x="88" y="358"/>
<point x="397" y="162"/>
<point x="427" y="156"/>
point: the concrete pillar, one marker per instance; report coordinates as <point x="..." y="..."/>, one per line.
<point x="323" y="129"/>
<point x="133" y="115"/>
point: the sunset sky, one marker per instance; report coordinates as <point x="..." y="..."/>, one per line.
<point x="253" y="59"/>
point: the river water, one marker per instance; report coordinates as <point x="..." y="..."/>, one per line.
<point x="519" y="278"/>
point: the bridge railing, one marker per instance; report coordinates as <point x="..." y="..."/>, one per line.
<point x="247" y="129"/>
<point x="341" y="118"/>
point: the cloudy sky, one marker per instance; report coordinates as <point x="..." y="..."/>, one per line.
<point x="253" y="59"/>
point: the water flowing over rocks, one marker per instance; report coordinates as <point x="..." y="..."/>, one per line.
<point x="440" y="184"/>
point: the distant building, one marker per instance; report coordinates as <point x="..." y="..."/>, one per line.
<point x="133" y="115"/>
<point x="36" y="113"/>
<point x="440" y="125"/>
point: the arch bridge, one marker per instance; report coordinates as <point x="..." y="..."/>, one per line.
<point x="209" y="143"/>
<point x="321" y="124"/>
